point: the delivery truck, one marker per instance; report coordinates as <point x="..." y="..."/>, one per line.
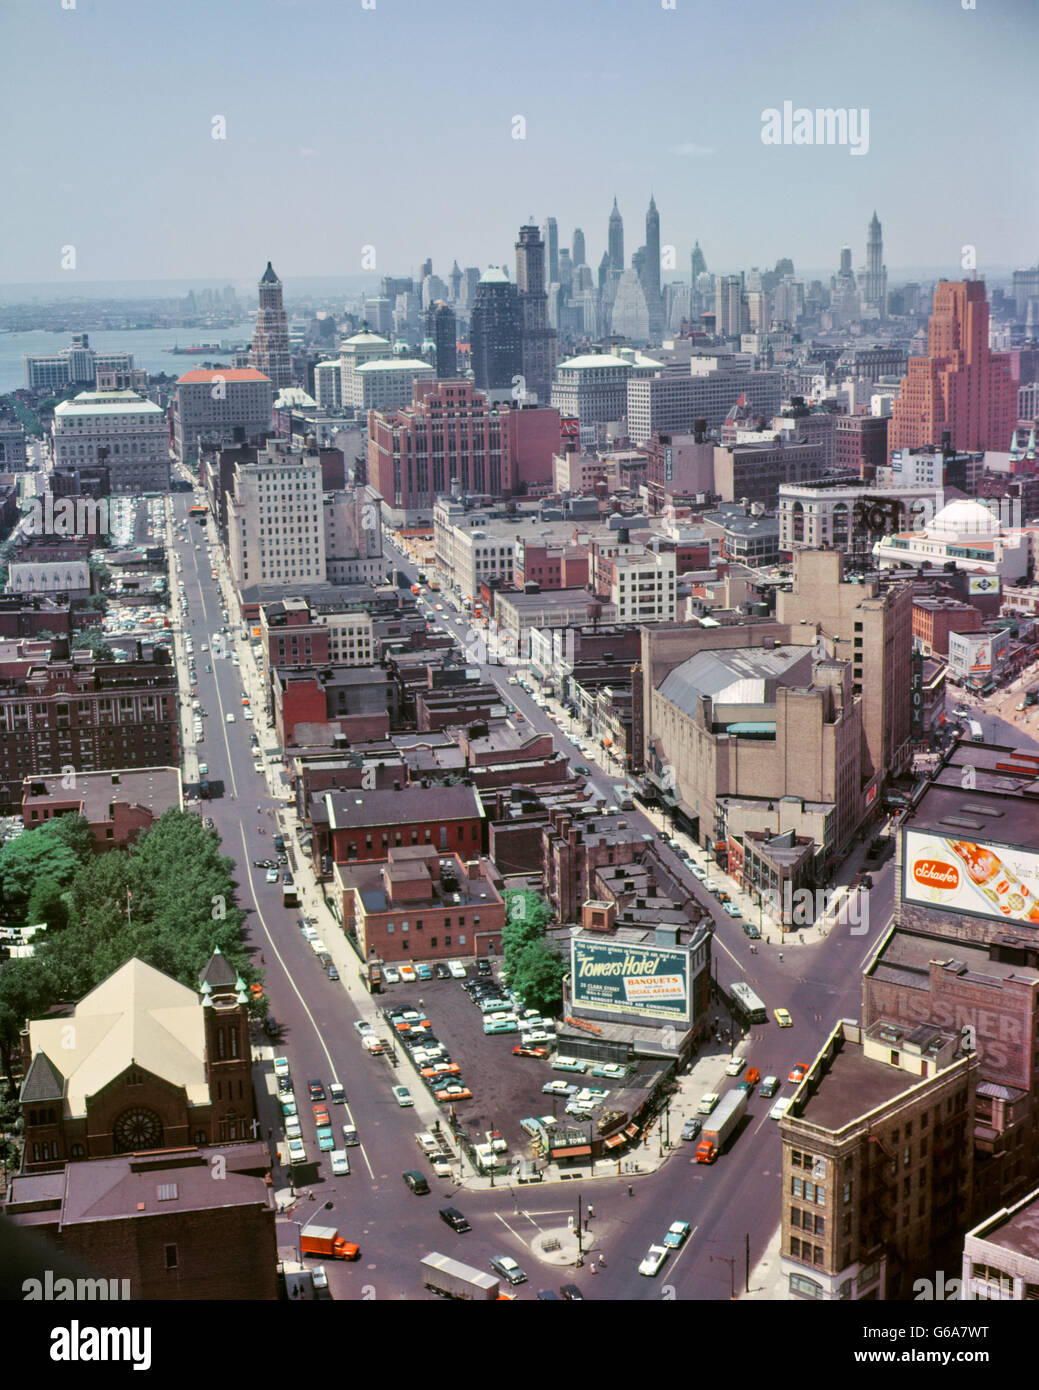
<point x="722" y="1124"/>
<point x="325" y="1241"/>
<point x="456" y="1280"/>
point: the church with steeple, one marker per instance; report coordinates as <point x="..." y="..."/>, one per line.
<point x="141" y="1063"/>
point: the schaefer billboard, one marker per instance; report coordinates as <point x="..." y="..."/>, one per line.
<point x="984" y="880"/>
<point x="649" y="981"/>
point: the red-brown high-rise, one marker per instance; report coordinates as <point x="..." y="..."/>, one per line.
<point x="960" y="386"/>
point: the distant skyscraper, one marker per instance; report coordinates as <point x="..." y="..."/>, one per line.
<point x="566" y="271"/>
<point x="875" y="285"/>
<point x="698" y="265"/>
<point x="440" y="326"/>
<point x="650" y="272"/>
<point x="550" y="232"/>
<point x="630" y="317"/>
<point x="270" y="347"/>
<point x="456" y="282"/>
<point x="470" y="280"/>
<point x="427" y="268"/>
<point x="604" y="271"/>
<point x="615" y="239"/>
<point x="960" y="386"/>
<point x="539" y="340"/>
<point x="728" y="306"/>
<point x="845" y="260"/>
<point x="577" y="248"/>
<point x="494" y="332"/>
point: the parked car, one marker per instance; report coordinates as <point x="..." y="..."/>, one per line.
<point x="441" y="971"/>
<point x="798" y="1072"/>
<point x="340" y="1163"/>
<point x="403" y="1096"/>
<point x="272" y="875"/>
<point x="691" y="1129"/>
<point x="752" y="931"/>
<point x="316" y="1089"/>
<point x="350" y="1136"/>
<point x="735" y="1065"/>
<point x="390" y="975"/>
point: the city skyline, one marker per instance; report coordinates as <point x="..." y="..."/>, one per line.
<point x="202" y="207"/>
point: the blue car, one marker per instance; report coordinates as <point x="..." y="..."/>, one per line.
<point x="423" y="972"/>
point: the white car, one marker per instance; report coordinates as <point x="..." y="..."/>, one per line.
<point x="780" y="1108"/>
<point x="292" y="1129"/>
<point x="457" y="969"/>
<point x="363" y="1027"/>
<point x="297" y="1153"/>
<point x="390" y="975"/>
<point x="257" y="766"/>
<point x="272" y="875"/>
<point x="318" y="946"/>
<point x="735" y="1066"/>
<point x="247" y="713"/>
<point x="230" y="717"/>
<point x="340" y="1162"/>
<point x="655" y="1257"/>
<point x="309" y="934"/>
<point x="318" y="1277"/>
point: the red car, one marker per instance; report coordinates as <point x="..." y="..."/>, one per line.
<point x="452" y="1091"/>
<point x="321" y="1116"/>
<point x="518" y="1051"/>
<point x="799" y="1072"/>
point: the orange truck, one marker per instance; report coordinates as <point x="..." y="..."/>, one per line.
<point x="327" y="1242"/>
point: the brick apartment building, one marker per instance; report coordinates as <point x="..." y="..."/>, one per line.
<point x="860" y="444"/>
<point x="314" y="705"/>
<point x="88" y="714"/>
<point x="573" y="848"/>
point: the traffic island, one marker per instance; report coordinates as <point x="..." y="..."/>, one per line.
<point x="561" y="1246"/>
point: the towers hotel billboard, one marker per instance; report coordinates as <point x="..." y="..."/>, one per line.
<point x="645" y="981"/>
<point x="984" y="880"/>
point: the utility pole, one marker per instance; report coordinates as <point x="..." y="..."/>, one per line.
<point x="580" y="1251"/>
<point x="746" y="1274"/>
<point x="729" y="1260"/>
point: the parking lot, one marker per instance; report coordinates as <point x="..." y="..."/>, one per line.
<point x="505" y="1088"/>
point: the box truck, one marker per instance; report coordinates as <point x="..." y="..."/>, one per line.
<point x="456" y="1280"/>
<point x="720" y="1126"/>
<point x="327" y="1242"/>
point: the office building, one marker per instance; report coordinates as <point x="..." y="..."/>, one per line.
<point x="298" y="633"/>
<point x="77" y="364"/>
<point x="629" y="316"/>
<point x="731" y="316"/>
<point x="441" y="328"/>
<point x="577" y="251"/>
<point x="214" y="407"/>
<point x="275" y="525"/>
<point x="119" y="430"/>
<point x="537" y="339"/>
<point x="651" y="273"/>
<point x="960" y="387"/>
<point x="495" y="335"/>
<point x="550" y="236"/>
<point x="1001" y="1256"/>
<point x="877" y="1162"/>
<point x="615" y="240"/>
<point x="872" y="628"/>
<point x="670" y="404"/>
<point x="860" y="444"/>
<point x="874" y="285"/>
<point x="270" y="346"/>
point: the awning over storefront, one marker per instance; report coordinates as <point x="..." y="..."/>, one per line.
<point x="582" y="1151"/>
<point x="632" y="1131"/>
<point x="614" y="1141"/>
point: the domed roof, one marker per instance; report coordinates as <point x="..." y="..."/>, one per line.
<point x="493" y="275"/>
<point x="963" y="518"/>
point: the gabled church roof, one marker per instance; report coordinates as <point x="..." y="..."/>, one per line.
<point x="218" y="973"/>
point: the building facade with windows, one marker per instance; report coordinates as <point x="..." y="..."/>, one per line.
<point x="276" y="532"/>
<point x="225" y="406"/>
<point x="119" y="430"/>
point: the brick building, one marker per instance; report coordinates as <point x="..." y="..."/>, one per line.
<point x="573" y="848"/>
<point x="140" y="1063"/>
<point x="118" y="806"/>
<point x="92" y="715"/>
<point x="422" y="904"/>
<point x="935" y="618"/>
<point x="157" y="1221"/>
<point x="366" y="825"/>
<point x="860" y="444"/>
<point x="314" y="705"/>
<point x="877" y="1162"/>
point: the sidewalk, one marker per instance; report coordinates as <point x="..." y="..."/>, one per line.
<point x="767" y="1283"/>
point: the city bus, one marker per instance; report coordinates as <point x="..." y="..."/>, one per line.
<point x="975" y="731"/>
<point x="747" y="1003"/>
<point x="197" y="513"/>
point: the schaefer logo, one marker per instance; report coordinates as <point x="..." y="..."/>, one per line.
<point x="932" y="873"/>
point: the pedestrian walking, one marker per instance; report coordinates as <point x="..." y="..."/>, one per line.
<point x="591" y="1211"/>
<point x="592" y="1266"/>
<point x="631" y="1190"/>
<point x="602" y="1261"/>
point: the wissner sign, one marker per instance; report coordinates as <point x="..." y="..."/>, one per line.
<point x="614" y="978"/>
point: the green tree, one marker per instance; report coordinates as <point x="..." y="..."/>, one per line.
<point x="47" y="904"/>
<point x="538" y="976"/>
<point x="93" y="639"/>
<point x="73" y="829"/>
<point x="33" y="855"/>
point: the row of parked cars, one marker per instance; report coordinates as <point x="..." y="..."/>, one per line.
<point x="414" y="1032"/>
<point x="503" y="1012"/>
<point x="408" y="974"/>
<point x="320" y="1100"/>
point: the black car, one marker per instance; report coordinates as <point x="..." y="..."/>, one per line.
<point x="333" y="973"/>
<point x="417" y="1182"/>
<point x="324" y="960"/>
<point x="284" y="1085"/>
<point x="262" y="864"/>
<point x="483" y="966"/>
<point x="547" y="1296"/>
<point x="282" y="859"/>
<point x="454" y="1218"/>
<point x="286" y="878"/>
<point x="317" y="1091"/>
<point x="441" y="971"/>
<point x="570" y="1293"/>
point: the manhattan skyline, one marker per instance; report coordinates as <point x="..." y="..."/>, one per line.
<point x="319" y="133"/>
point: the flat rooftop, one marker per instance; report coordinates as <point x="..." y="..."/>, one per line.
<point x="1002" y="805"/>
<point x="851" y="1086"/>
<point x="154" y="787"/>
<point x="1017" y="1231"/>
<point x="906" y="960"/>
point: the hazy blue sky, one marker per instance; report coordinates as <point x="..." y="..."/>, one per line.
<point x="392" y="127"/>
